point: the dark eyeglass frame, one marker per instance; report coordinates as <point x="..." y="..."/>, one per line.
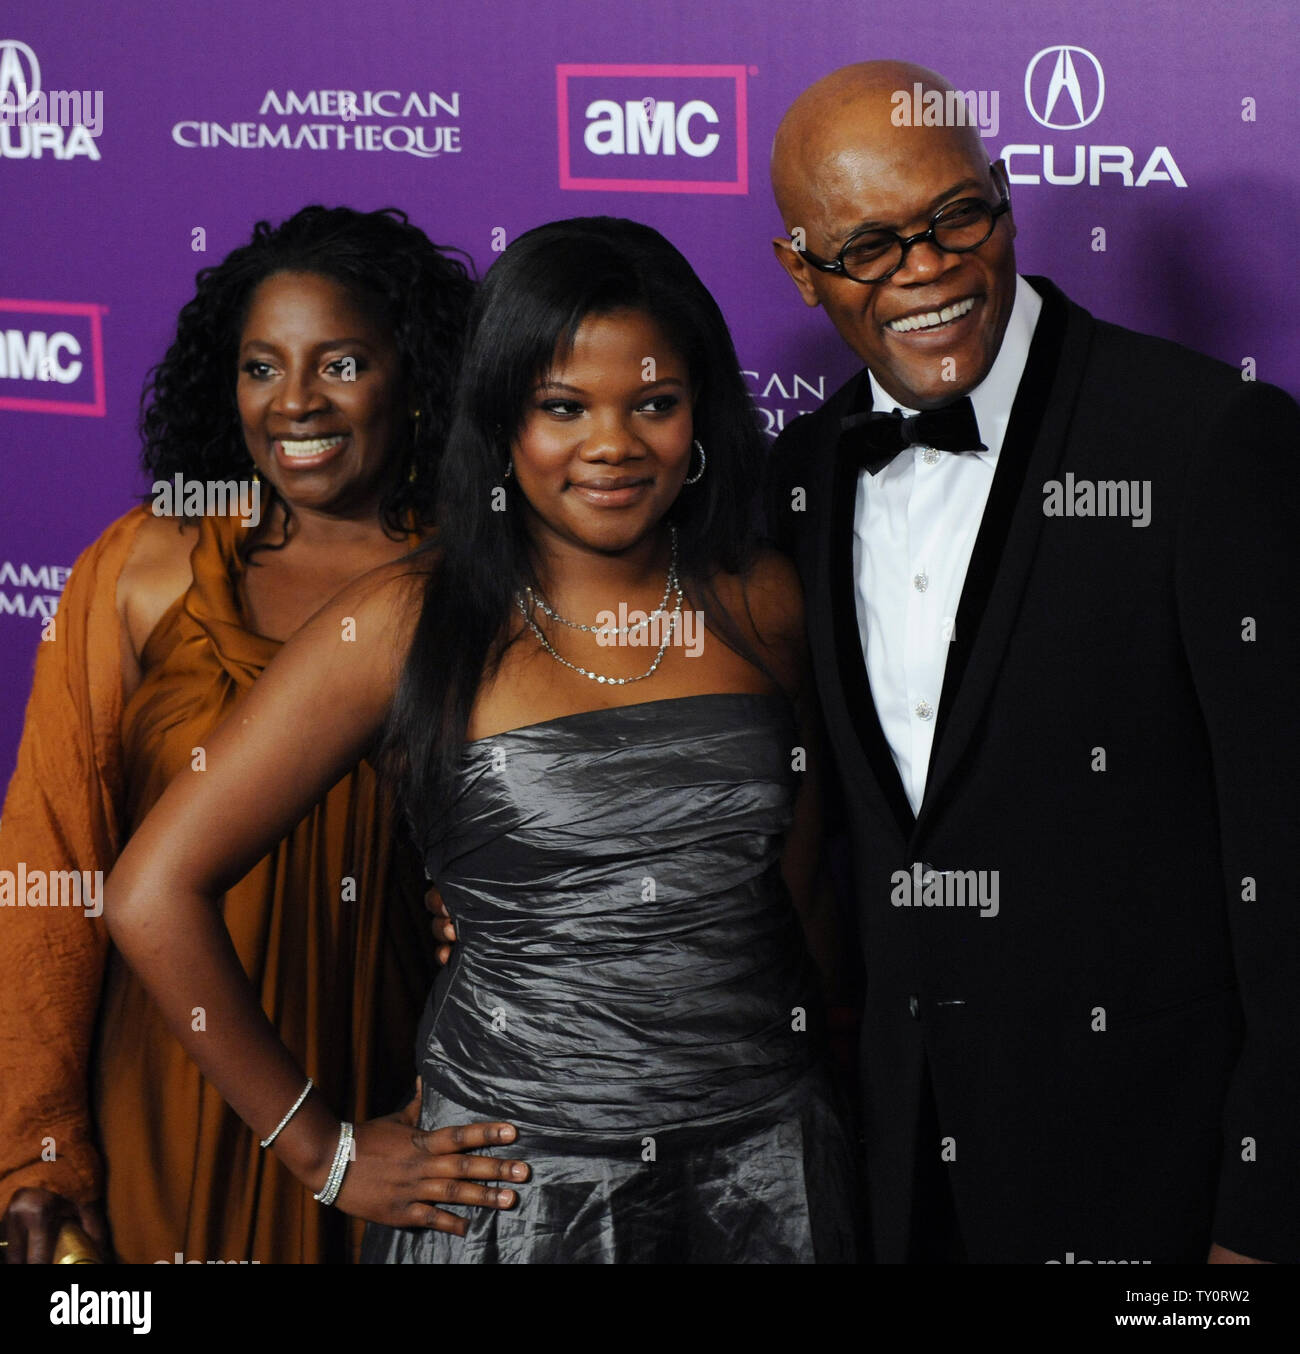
<point x="836" y="265"/>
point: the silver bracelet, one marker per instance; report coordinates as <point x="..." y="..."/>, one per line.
<point x="297" y="1105"/>
<point x="342" y="1156"/>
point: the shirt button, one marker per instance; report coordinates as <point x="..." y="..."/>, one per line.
<point x="930" y="456"/>
<point x="921" y="581"/>
<point x="923" y="710"/>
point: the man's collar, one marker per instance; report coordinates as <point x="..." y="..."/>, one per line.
<point x="996" y="393"/>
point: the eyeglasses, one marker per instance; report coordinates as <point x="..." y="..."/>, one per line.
<point x="872" y="255"/>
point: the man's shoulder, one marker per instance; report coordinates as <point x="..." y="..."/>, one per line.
<point x="800" y="452"/>
<point x="1155" y="370"/>
<point x="1150" y="357"/>
<point x="796" y="455"/>
<point x="821" y="425"/>
<point x="1177" y="387"/>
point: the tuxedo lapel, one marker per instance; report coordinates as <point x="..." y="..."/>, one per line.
<point x="1009" y="529"/>
<point x="841" y="635"/>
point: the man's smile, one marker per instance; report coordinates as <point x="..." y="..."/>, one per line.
<point x="931" y="319"/>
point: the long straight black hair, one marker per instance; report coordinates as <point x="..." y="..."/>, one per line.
<point x="525" y="318"/>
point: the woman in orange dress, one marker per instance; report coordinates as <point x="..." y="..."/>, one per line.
<point x="313" y="371"/>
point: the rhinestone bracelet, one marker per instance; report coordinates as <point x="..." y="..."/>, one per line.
<point x="297" y="1105"/>
<point x="342" y="1156"/>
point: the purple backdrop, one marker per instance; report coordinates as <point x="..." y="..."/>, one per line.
<point x="482" y="120"/>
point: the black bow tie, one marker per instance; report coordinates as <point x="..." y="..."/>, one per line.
<point x="880" y="437"/>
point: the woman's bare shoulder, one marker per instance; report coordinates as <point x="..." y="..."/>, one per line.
<point x="766" y="604"/>
<point x="767" y="597"/>
<point x="390" y="595"/>
<point x="154" y="574"/>
<point x="774" y="582"/>
<point x="162" y="543"/>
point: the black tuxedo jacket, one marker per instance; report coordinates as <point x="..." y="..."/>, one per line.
<point x="1115" y="1055"/>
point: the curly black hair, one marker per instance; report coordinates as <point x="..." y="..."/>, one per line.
<point x="189" y="420"/>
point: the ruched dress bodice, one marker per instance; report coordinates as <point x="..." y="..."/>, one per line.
<point x="628" y="956"/>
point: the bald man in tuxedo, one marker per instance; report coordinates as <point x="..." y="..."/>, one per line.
<point x="1051" y="579"/>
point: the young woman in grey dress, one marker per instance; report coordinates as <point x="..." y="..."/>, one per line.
<point x="593" y="693"/>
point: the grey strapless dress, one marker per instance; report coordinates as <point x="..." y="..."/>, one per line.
<point x="631" y="989"/>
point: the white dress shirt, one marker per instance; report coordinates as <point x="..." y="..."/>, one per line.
<point x="914" y="528"/>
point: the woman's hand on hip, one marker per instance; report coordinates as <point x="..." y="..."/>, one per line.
<point x="402" y="1172"/>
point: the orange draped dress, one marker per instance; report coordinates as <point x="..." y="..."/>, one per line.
<point x="329" y="927"/>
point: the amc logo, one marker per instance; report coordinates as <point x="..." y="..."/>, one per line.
<point x="52" y="357"/>
<point x="653" y="129"/>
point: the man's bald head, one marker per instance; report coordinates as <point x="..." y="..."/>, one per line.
<point x="854" y="161"/>
<point x="848" y="117"/>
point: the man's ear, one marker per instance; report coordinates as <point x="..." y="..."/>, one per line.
<point x="1003" y="185"/>
<point x="800" y="273"/>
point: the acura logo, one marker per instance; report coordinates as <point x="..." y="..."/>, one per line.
<point x="19" y="87"/>
<point x="1061" y="81"/>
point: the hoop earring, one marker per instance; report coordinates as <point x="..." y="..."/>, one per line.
<point x="699" y="474"/>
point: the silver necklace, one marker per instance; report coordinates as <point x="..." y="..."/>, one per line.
<point x="671" y="586"/>
<point x="535" y="599"/>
